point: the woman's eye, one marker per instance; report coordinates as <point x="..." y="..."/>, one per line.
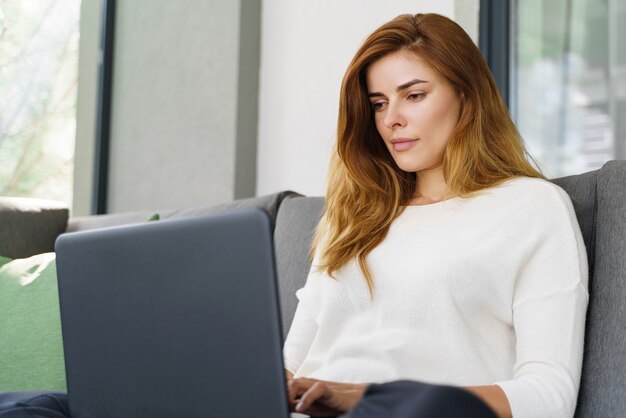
<point x="416" y="96"/>
<point x="378" y="106"/>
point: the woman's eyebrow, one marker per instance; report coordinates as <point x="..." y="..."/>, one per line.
<point x="409" y="84"/>
<point x="399" y="88"/>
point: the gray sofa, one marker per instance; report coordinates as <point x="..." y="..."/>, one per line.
<point x="28" y="227"/>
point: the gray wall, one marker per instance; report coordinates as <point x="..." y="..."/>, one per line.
<point x="184" y="104"/>
<point x="185" y="96"/>
<point x="306" y="47"/>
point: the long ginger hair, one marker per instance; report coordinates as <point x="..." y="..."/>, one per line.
<point x="366" y="190"/>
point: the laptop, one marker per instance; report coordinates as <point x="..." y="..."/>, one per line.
<point x="175" y="318"/>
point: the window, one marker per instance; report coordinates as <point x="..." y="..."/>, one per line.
<point x="568" y="82"/>
<point x="38" y="79"/>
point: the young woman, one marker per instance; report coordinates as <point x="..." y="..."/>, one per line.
<point x="442" y="256"/>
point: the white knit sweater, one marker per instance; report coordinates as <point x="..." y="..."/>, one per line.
<point x="479" y="291"/>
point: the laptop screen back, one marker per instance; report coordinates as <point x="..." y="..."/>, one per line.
<point x="173" y="319"/>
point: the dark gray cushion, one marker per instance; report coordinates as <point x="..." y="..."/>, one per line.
<point x="603" y="388"/>
<point x="30" y="226"/>
<point x="581" y="189"/>
<point x="295" y="224"/>
<point x="270" y="203"/>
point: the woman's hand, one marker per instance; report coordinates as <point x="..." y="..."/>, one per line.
<point x="319" y="398"/>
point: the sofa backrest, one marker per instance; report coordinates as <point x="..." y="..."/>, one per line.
<point x="599" y="199"/>
<point x="295" y="223"/>
<point x="269" y="203"/>
<point x="603" y="386"/>
<point x="30" y="226"/>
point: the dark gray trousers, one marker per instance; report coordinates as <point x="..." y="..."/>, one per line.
<point x="400" y="399"/>
<point x="410" y="399"/>
<point x="33" y="405"/>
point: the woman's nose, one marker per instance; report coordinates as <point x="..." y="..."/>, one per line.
<point x="394" y="117"/>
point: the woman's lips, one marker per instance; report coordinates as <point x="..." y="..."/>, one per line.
<point x="403" y="145"/>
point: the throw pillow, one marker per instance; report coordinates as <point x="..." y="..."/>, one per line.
<point x="31" y="350"/>
<point x="4" y="260"/>
<point x="31" y="347"/>
<point x="153" y="217"/>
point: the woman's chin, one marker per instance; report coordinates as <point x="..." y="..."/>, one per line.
<point x="415" y="166"/>
<point x="409" y="167"/>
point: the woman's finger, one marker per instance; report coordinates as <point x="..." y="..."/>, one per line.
<point x="317" y="391"/>
<point x="293" y="390"/>
<point x="297" y="387"/>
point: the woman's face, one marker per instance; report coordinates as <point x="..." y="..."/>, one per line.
<point x="415" y="109"/>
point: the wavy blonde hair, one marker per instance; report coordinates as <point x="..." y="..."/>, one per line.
<point x="366" y="190"/>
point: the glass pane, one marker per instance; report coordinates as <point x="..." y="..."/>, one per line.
<point x="38" y="77"/>
<point x="569" y="82"/>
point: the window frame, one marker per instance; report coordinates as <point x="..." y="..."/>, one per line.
<point x="103" y="112"/>
<point x="494" y="41"/>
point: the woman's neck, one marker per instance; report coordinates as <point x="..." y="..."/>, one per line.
<point x="431" y="187"/>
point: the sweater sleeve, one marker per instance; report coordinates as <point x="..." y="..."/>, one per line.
<point x="549" y="306"/>
<point x="304" y="325"/>
<point x="299" y="339"/>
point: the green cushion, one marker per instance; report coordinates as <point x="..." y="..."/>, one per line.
<point x="31" y="350"/>
<point x="4" y="260"/>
